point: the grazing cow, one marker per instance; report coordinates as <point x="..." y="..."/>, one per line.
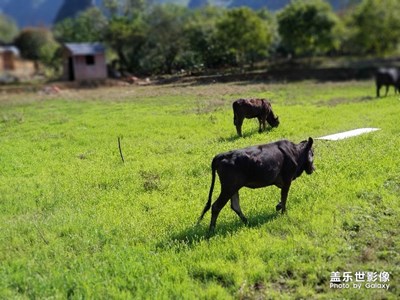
<point x="276" y="164"/>
<point x="253" y="108"/>
<point x="387" y="77"/>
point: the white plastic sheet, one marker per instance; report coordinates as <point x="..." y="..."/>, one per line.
<point x="347" y="134"/>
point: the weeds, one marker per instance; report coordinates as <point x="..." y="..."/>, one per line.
<point x="151" y="180"/>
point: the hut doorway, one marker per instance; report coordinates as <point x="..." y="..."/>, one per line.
<point x="71" y="69"/>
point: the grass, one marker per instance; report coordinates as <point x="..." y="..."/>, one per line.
<point x="76" y="222"/>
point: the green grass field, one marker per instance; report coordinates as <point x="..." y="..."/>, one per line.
<point x="76" y="222"/>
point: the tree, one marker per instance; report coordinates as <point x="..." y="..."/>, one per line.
<point x="374" y="27"/>
<point x="8" y="29"/>
<point x="244" y="34"/>
<point x="126" y="36"/>
<point x="308" y="27"/>
<point x="30" y="40"/>
<point x="127" y="32"/>
<point x="50" y="55"/>
<point x="272" y="23"/>
<point x="165" y="40"/>
<point x="36" y="44"/>
<point x="200" y="33"/>
<point x="88" y="26"/>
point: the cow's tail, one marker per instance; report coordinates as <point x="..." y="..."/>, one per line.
<point x="208" y="204"/>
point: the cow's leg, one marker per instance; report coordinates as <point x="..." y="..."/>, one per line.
<point x="284" y="193"/>
<point x="263" y="122"/>
<point x="259" y="124"/>
<point x="223" y="198"/>
<point x="238" y="123"/>
<point x="378" y="87"/>
<point x="236" y="207"/>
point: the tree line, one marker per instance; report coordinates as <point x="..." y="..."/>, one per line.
<point x="160" y="39"/>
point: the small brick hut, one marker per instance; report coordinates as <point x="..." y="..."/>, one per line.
<point x="8" y="57"/>
<point x="84" y="61"/>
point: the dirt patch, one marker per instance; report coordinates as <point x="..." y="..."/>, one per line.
<point x="205" y="107"/>
<point x="274" y="75"/>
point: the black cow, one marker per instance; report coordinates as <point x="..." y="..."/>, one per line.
<point x="387" y="77"/>
<point x="259" y="166"/>
<point x="253" y="108"/>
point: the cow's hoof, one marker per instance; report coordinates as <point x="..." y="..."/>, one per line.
<point x="211" y="231"/>
<point x="279" y="206"/>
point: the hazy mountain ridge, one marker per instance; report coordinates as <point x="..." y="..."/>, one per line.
<point x="45" y="12"/>
<point x="31" y="12"/>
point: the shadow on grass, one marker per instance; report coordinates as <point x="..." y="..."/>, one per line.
<point x="196" y="233"/>
<point x="248" y="133"/>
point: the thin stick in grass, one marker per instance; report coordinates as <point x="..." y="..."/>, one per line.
<point x="120" y="150"/>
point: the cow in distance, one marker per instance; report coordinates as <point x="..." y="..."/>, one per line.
<point x="253" y="108"/>
<point x="387" y="77"/>
<point x="277" y="163"/>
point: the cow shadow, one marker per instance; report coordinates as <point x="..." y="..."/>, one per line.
<point x="246" y="134"/>
<point x="196" y="233"/>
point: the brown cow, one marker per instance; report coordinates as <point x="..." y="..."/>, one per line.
<point x="253" y="108"/>
<point x="259" y="166"/>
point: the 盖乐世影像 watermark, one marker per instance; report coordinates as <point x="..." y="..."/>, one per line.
<point x="360" y="279"/>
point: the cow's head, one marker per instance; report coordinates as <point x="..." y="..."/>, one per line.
<point x="309" y="163"/>
<point x="272" y="120"/>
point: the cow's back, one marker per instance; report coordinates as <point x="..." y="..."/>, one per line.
<point x="261" y="163"/>
<point x="250" y="108"/>
<point x="387" y="76"/>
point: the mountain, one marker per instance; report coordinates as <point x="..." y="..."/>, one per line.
<point x="71" y="7"/>
<point x="46" y="12"/>
<point x="274" y="5"/>
<point x="31" y="12"/>
<point x="257" y="4"/>
<point x="197" y="3"/>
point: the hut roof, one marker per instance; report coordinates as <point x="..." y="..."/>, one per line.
<point x="12" y="49"/>
<point x="85" y="48"/>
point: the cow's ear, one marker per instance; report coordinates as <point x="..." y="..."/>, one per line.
<point x="310" y="142"/>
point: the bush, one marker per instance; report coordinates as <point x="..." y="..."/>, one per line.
<point x="37" y="44"/>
